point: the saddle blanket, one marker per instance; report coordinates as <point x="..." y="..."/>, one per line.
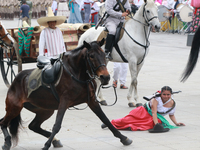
<point x="35" y="80"/>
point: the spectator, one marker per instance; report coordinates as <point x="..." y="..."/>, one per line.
<point x="24" y="10"/>
<point x="94" y="13"/>
<point x="51" y="43"/>
<point x="196" y="15"/>
<point x="63" y="9"/>
<point x="54" y="7"/>
<point x="120" y="72"/>
<point x="75" y="12"/>
<point x="87" y="9"/>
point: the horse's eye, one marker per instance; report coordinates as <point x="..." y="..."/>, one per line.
<point x="0" y="27"/>
<point x="148" y="11"/>
<point x="92" y="56"/>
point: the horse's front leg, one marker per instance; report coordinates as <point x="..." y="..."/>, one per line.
<point x="99" y="92"/>
<point x="94" y="106"/>
<point x="134" y="70"/>
<point x="56" y="128"/>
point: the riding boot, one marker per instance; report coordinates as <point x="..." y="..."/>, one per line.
<point x="109" y="45"/>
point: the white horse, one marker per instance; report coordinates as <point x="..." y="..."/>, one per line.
<point x="134" y="43"/>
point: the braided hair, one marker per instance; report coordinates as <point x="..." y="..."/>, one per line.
<point x="166" y="88"/>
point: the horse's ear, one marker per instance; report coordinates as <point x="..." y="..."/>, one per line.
<point x="102" y="42"/>
<point x="87" y="45"/>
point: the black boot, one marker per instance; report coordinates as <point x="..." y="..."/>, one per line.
<point x="109" y="45"/>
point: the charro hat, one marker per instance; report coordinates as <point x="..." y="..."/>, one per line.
<point x="158" y="128"/>
<point x="43" y="21"/>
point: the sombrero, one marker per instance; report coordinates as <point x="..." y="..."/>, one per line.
<point x="158" y="128"/>
<point x="50" y="17"/>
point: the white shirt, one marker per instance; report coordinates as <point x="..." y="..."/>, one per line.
<point x="138" y="3"/>
<point x="54" y="6"/>
<point x="95" y="8"/>
<point x="51" y="43"/>
<point x="88" y="1"/>
<point x="170" y="4"/>
<point x="161" y="108"/>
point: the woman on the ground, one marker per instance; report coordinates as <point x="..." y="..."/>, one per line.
<point x="151" y="114"/>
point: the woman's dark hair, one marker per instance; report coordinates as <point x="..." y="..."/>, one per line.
<point x="164" y="88"/>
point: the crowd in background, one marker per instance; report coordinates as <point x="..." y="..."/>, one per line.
<point x="87" y="11"/>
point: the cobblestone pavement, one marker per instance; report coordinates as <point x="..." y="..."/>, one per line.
<point x="81" y="128"/>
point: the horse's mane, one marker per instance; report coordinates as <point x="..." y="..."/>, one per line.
<point x="78" y="48"/>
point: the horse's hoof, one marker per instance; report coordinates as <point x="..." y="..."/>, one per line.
<point x="103" y="102"/>
<point x="139" y="104"/>
<point x="127" y="141"/>
<point x="131" y="104"/>
<point x="5" y="147"/>
<point x="103" y="126"/>
<point x="44" y="148"/>
<point x="57" y="143"/>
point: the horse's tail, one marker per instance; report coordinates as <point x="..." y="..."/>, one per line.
<point x="194" y="53"/>
<point x="13" y="127"/>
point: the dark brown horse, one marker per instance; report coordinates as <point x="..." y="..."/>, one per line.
<point x="77" y="85"/>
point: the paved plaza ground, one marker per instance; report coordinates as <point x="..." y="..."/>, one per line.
<point x="81" y="129"/>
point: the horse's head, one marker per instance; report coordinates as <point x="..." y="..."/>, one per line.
<point x="5" y="37"/>
<point x="150" y="13"/>
<point x="97" y="61"/>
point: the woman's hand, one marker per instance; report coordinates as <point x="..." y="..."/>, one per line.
<point x="180" y="124"/>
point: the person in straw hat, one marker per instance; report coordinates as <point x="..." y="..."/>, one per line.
<point x="51" y="42"/>
<point x="150" y="116"/>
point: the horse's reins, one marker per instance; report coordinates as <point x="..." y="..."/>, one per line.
<point x="146" y="36"/>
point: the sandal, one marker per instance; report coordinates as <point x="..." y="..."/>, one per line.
<point x="123" y="86"/>
<point x="115" y="83"/>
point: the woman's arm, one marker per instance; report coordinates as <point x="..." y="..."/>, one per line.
<point x="173" y="118"/>
<point x="154" y="110"/>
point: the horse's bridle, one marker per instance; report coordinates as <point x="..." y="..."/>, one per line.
<point x="1" y="40"/>
<point x="145" y="16"/>
<point x="92" y="67"/>
<point x="91" y="77"/>
<point x="146" y="36"/>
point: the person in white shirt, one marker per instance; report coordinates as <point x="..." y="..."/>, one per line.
<point x="120" y="72"/>
<point x="87" y="8"/>
<point x="94" y="13"/>
<point x="54" y="7"/>
<point x="51" y="43"/>
<point x="138" y="3"/>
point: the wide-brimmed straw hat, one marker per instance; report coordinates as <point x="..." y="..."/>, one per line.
<point x="158" y="128"/>
<point x="43" y="21"/>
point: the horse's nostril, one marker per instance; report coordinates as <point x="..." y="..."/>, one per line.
<point x="11" y="42"/>
<point x="104" y="79"/>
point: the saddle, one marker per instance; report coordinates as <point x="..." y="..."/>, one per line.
<point x="50" y="72"/>
<point x="119" y="33"/>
